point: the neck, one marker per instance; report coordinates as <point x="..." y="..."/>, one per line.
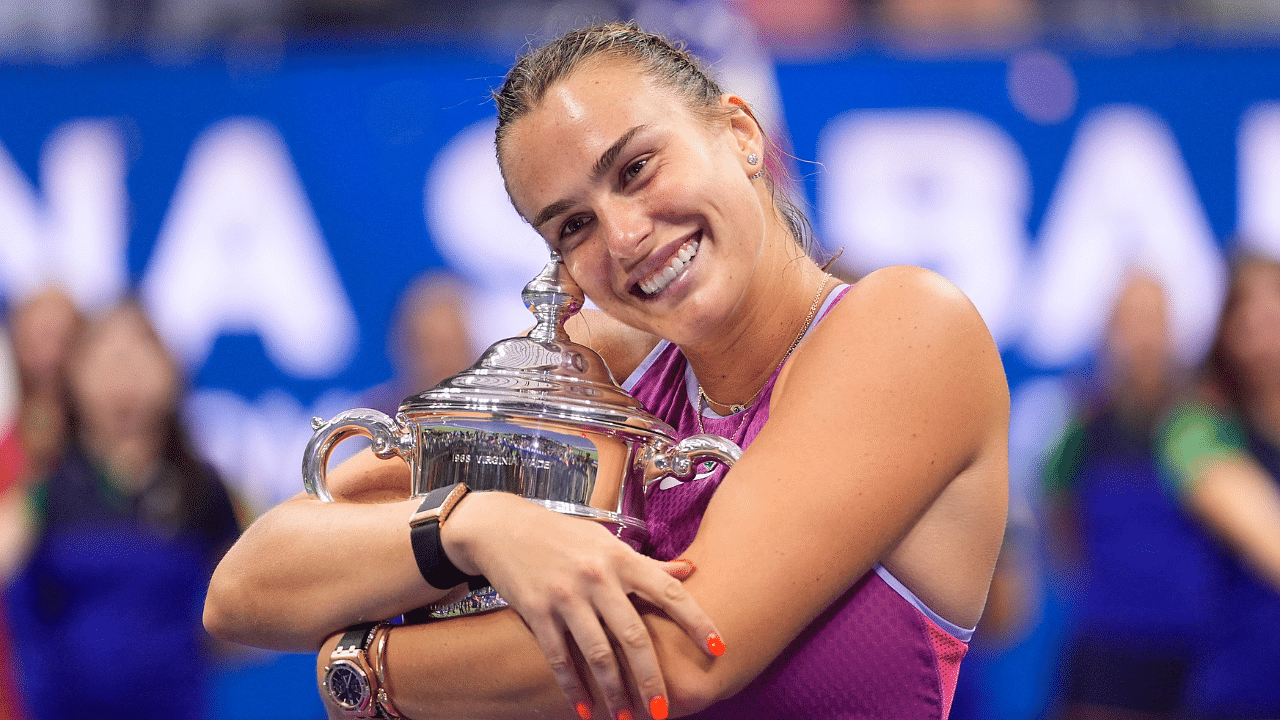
<point x="735" y="365"/>
<point x="128" y="459"/>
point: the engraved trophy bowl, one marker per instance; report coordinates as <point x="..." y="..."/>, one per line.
<point x="539" y="416"/>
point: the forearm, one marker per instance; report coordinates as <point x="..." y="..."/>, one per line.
<point x="490" y="666"/>
<point x="1241" y="503"/>
<point x="308" y="568"/>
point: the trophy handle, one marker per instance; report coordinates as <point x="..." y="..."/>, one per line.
<point x="681" y="461"/>
<point x="389" y="439"/>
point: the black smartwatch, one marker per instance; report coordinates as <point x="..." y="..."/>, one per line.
<point x="424" y="532"/>
<point x="350" y="679"/>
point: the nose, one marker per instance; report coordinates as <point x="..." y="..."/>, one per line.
<point x="625" y="225"/>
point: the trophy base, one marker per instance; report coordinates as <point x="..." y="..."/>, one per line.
<point x="473" y="602"/>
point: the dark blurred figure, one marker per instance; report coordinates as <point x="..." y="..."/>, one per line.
<point x="1137" y="568"/>
<point x="1223" y="455"/>
<point x="12" y="535"/>
<point x="429" y="341"/>
<point x="125" y="530"/>
<point x="43" y="329"/>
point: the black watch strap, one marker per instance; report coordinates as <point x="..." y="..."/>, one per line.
<point x="357" y="637"/>
<point x="428" y="549"/>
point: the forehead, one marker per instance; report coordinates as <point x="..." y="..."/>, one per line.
<point x="577" y="119"/>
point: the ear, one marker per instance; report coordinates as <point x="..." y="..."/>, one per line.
<point x="746" y="130"/>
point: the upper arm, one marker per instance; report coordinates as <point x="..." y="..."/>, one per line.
<point x="1194" y="440"/>
<point x="1217" y="478"/>
<point x="897" y="392"/>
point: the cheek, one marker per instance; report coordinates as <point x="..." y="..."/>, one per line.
<point x="588" y="267"/>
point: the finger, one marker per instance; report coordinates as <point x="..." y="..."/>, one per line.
<point x="550" y="635"/>
<point x="584" y="625"/>
<point x="633" y="638"/>
<point x="667" y="593"/>
<point x="680" y="568"/>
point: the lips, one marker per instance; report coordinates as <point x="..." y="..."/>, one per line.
<point x="663" y="276"/>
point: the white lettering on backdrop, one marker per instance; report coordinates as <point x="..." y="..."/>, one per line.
<point x="479" y="232"/>
<point x="944" y="189"/>
<point x="1124" y="200"/>
<point x="240" y="251"/>
<point x="1259" y="179"/>
<point x="76" y="234"/>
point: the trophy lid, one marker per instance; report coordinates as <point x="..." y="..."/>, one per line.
<point x="541" y="376"/>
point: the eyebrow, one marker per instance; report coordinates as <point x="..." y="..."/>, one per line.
<point x="607" y="159"/>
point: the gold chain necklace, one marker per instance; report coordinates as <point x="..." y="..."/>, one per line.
<point x="705" y="399"/>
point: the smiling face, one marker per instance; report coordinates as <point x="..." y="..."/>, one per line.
<point x="650" y="204"/>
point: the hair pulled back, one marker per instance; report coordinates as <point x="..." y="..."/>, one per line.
<point x="668" y="63"/>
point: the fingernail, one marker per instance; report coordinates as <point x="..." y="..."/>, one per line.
<point x="658" y="708"/>
<point x="686" y="561"/>
<point x="715" y="644"/>
<point x="584" y="711"/>
<point x="625" y="715"/>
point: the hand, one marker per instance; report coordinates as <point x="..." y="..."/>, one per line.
<point x="569" y="575"/>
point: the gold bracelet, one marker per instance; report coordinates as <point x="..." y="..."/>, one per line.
<point x="379" y="662"/>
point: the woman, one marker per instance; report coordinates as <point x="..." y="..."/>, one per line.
<point x="845" y="557"/>
<point x="1223" y="456"/>
<point x="1139" y="568"/>
<point x="126" y="528"/>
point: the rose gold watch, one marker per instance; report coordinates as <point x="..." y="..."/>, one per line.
<point x="354" y="677"/>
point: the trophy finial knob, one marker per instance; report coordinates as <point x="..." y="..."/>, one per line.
<point x="553" y="297"/>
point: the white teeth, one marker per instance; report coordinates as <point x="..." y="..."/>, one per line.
<point x="656" y="282"/>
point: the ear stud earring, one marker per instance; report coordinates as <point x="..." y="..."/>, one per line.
<point x="752" y="159"/>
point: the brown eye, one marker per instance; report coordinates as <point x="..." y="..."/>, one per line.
<point x="573" y="225"/>
<point x="633" y="170"/>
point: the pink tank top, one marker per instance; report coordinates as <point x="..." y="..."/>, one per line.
<point x="876" y="652"/>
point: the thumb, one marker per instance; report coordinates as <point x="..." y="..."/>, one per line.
<point x="680" y="568"/>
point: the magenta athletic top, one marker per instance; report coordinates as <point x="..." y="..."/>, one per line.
<point x="876" y="652"/>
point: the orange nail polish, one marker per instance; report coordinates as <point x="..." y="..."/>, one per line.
<point x="625" y="714"/>
<point x="686" y="561"/>
<point x="658" y="708"/>
<point x="715" y="645"/>
<point x="584" y="711"/>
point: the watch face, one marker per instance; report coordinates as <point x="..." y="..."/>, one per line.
<point x="347" y="685"/>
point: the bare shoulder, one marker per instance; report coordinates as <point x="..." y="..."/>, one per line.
<point x="622" y="346"/>
<point x="892" y="294"/>
<point x="896" y="308"/>
<point x="908" y="329"/>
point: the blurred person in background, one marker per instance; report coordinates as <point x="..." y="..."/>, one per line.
<point x="1222" y="452"/>
<point x="33" y="434"/>
<point x="124" y="531"/>
<point x="12" y="471"/>
<point x="430" y="339"/>
<point x="1136" y="568"/>
<point x="44" y="328"/>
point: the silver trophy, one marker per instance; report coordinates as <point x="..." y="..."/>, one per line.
<point x="539" y="416"/>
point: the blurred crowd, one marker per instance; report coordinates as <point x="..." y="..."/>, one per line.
<point x="110" y="522"/>
<point x="1159" y="523"/>
<point x="73" y="29"/>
